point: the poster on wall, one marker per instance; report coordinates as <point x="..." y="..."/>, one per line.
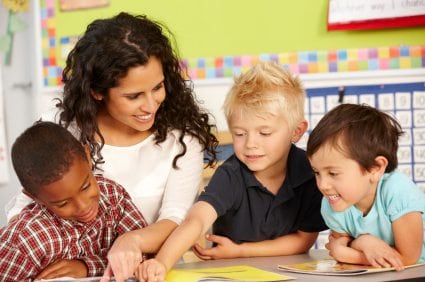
<point x="374" y="14"/>
<point x="4" y="171"/>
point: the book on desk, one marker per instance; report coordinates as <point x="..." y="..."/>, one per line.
<point x="332" y="267"/>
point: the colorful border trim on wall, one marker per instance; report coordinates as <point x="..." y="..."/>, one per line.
<point x="382" y="58"/>
<point x="345" y="60"/>
<point x="52" y="73"/>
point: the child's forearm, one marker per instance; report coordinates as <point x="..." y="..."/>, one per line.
<point x="150" y="238"/>
<point x="291" y="244"/>
<point x="406" y="258"/>
<point x="349" y="255"/>
<point x="179" y="242"/>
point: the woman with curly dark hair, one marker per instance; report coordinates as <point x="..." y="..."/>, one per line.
<point x="126" y="99"/>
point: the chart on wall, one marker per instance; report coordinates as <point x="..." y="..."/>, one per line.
<point x="404" y="101"/>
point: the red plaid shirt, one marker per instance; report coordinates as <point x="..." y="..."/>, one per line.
<point x="37" y="237"/>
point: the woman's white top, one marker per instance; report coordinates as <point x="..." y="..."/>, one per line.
<point x="146" y="171"/>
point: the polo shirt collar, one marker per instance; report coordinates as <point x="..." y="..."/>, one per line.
<point x="248" y="177"/>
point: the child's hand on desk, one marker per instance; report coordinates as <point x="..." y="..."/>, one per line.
<point x="60" y="268"/>
<point x="377" y="252"/>
<point x="151" y="270"/>
<point x="225" y="248"/>
<point x="337" y="247"/>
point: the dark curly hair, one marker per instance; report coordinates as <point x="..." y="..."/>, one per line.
<point x="103" y="55"/>
<point x="43" y="153"/>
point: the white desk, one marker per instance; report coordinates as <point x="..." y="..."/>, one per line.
<point x="270" y="264"/>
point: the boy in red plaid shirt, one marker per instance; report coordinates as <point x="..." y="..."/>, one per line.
<point x="76" y="216"/>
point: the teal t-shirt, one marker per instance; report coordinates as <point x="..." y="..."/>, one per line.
<point x="396" y="196"/>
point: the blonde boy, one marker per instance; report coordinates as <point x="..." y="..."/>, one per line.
<point x="263" y="201"/>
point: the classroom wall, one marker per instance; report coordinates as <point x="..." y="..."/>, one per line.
<point x="211" y="29"/>
<point x="206" y="28"/>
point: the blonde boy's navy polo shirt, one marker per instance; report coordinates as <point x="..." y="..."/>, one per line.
<point x="248" y="212"/>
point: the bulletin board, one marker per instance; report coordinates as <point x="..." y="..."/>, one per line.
<point x="211" y="45"/>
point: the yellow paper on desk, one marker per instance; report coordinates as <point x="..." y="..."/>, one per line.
<point x="236" y="273"/>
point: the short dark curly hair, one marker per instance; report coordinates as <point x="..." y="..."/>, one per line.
<point x="103" y="55"/>
<point x="43" y="153"/>
<point x="360" y="132"/>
